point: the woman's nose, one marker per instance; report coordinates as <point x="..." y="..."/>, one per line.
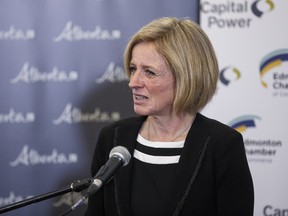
<point x="135" y="80"/>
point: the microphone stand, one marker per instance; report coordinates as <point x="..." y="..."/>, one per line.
<point x="78" y="203"/>
<point x="93" y="188"/>
<point x="76" y="186"/>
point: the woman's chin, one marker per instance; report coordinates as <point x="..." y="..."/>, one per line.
<point x="140" y="111"/>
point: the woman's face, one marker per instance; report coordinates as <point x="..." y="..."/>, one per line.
<point x="151" y="81"/>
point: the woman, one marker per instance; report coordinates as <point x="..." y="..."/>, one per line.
<point x="183" y="162"/>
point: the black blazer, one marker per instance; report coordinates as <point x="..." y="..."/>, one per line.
<point x="213" y="177"/>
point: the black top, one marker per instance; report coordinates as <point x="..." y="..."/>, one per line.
<point x="153" y="171"/>
<point x="212" y="177"/>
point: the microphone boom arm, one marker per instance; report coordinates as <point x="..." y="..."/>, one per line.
<point x="76" y="186"/>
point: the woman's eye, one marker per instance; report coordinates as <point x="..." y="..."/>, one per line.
<point x="132" y="69"/>
<point x="150" y="73"/>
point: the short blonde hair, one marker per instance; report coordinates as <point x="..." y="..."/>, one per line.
<point x="189" y="53"/>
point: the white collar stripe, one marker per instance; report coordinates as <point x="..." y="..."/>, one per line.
<point x="143" y="141"/>
<point x="156" y="159"/>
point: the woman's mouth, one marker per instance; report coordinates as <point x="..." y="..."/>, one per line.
<point x="140" y="97"/>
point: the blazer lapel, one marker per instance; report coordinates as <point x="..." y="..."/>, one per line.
<point x="127" y="135"/>
<point x="195" y="144"/>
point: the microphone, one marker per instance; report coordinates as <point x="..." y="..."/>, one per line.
<point x="119" y="156"/>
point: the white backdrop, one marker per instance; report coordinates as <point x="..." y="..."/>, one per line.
<point x="251" y="42"/>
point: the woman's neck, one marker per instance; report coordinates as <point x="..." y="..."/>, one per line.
<point x="169" y="129"/>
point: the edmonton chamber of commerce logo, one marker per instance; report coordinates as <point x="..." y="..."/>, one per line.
<point x="243" y="122"/>
<point x="274" y="70"/>
<point x="260" y="7"/>
<point x="262" y="150"/>
<point x="229" y="74"/>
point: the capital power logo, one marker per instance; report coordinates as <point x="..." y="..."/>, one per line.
<point x="273" y="70"/>
<point x="229" y="74"/>
<point x="233" y="14"/>
<point x="262" y="150"/>
<point x="271" y="210"/>
<point x="261" y="7"/>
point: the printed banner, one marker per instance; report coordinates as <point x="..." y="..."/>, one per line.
<point x="61" y="80"/>
<point x="250" y="39"/>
